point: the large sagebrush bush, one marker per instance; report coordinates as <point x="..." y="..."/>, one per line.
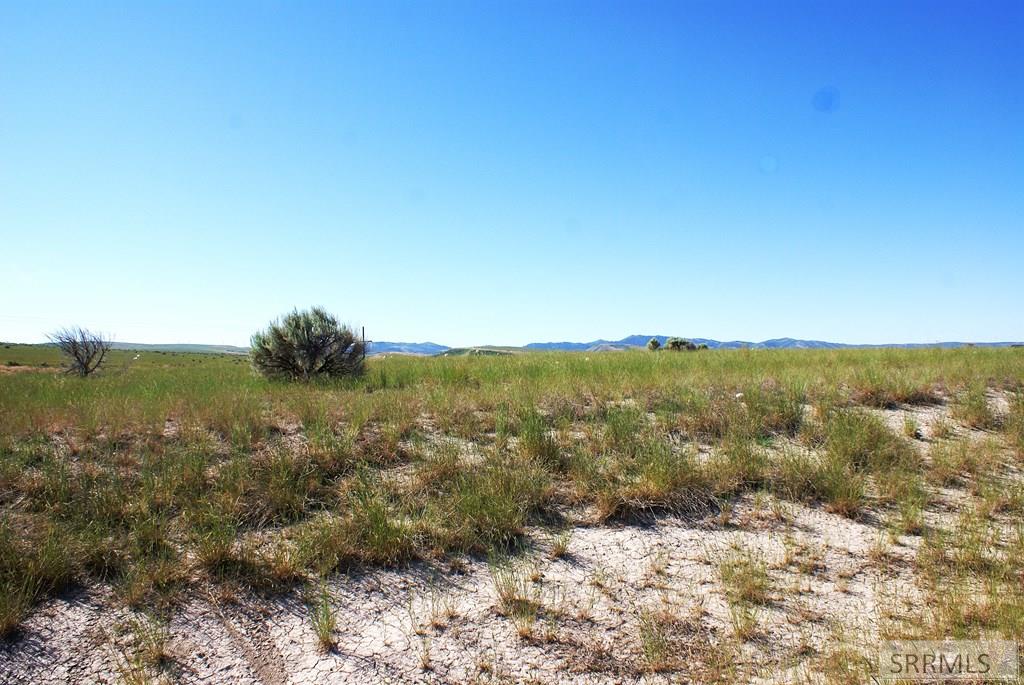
<point x="307" y="344"/>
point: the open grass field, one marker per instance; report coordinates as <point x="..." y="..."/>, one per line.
<point x="719" y="516"/>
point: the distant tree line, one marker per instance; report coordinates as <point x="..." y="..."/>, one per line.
<point x="676" y="345"/>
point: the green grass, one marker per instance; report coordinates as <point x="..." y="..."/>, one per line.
<point x="972" y="409"/>
<point x="517" y="595"/>
<point x="174" y="469"/>
<point x="1014" y="424"/>
<point x="322" y="619"/>
<point x="745" y="577"/>
<point x="657" y="646"/>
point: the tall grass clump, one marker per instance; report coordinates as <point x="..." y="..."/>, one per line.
<point x="773" y="409"/>
<point x="380" y="529"/>
<point x="31" y="567"/>
<point x="856" y="446"/>
<point x="805" y="476"/>
<point x="866" y="443"/>
<point x="1014" y="425"/>
<point x="645" y="474"/>
<point x="971" y="408"/>
<point x="738" y="464"/>
<point x="283" y="483"/>
<point x="955" y="461"/>
<point x="888" y="389"/>
<point x="535" y="438"/>
<point x="759" y="410"/>
<point x="489" y="506"/>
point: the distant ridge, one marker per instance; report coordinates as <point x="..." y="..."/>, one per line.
<point x="633" y="341"/>
<point x="601" y="345"/>
<point x="424" y="348"/>
<point x="180" y="347"/>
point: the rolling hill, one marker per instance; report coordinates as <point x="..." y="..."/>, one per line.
<point x="600" y="345"/>
<point x="633" y="341"/>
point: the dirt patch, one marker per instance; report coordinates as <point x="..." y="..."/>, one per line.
<point x="28" y="369"/>
<point x="433" y="624"/>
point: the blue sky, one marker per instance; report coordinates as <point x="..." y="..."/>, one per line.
<point x="507" y="172"/>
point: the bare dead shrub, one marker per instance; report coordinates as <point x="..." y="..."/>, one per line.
<point x="84" y="349"/>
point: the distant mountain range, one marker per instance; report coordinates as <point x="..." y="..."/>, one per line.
<point x="629" y="342"/>
<point x="776" y="343"/>
<point x="634" y="341"/>
<point x="424" y="348"/>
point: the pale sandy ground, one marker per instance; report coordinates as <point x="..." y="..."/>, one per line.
<point x="442" y="624"/>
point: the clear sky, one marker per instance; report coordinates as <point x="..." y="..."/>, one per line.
<point x="505" y="172"/>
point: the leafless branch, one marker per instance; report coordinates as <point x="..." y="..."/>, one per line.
<point x="85" y="350"/>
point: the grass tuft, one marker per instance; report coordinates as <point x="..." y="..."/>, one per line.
<point x="971" y="408"/>
<point x="518" y="595"/>
<point x="745" y="577"/>
<point x="323" y="619"/>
